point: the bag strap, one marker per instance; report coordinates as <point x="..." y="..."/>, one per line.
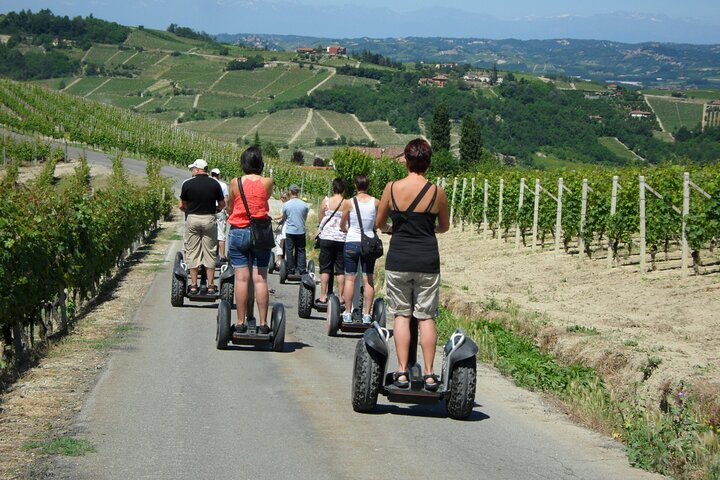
<point x="357" y="210"/>
<point x="242" y="194"/>
<point x="419" y="197"/>
<point x="328" y="219"/>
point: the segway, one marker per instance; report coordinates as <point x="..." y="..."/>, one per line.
<point x="306" y="293"/>
<point x="180" y="290"/>
<point x="294" y="277"/>
<point x="334" y="321"/>
<point x="457" y="380"/>
<point x="226" y="334"/>
<point x="277" y="249"/>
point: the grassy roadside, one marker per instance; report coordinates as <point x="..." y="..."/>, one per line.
<point x="675" y="440"/>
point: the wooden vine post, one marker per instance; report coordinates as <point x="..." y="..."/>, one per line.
<point x="500" y="210"/>
<point x="642" y="224"/>
<point x="536" y="212"/>
<point x="520" y="205"/>
<point x="461" y="211"/>
<point x="452" y="204"/>
<point x="583" y="214"/>
<point x="558" y="216"/>
<point x="485" y="207"/>
<point x="613" y="209"/>
<point x="685" y="213"/>
<point x="472" y="191"/>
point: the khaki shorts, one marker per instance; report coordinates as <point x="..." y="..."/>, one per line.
<point x="200" y="240"/>
<point x="412" y="294"/>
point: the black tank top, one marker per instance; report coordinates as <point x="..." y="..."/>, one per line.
<point x="413" y="246"/>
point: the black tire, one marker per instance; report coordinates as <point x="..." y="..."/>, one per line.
<point x="305" y="301"/>
<point x="378" y="311"/>
<point x="227" y="291"/>
<point x="282" y="271"/>
<point x="222" y="334"/>
<point x="311" y="266"/>
<point x="177" y="292"/>
<point x="271" y="265"/>
<point x="367" y="375"/>
<point x="333" y="316"/>
<point x="462" y="389"/>
<point x="277" y="324"/>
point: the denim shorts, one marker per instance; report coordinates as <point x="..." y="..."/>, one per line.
<point x="353" y="257"/>
<point x="239" y="250"/>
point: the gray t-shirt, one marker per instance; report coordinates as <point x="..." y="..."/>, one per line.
<point x="296" y="212"/>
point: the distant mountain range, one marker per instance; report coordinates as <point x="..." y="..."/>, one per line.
<point x="358" y="21"/>
<point x="648" y="64"/>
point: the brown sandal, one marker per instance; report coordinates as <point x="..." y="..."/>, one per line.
<point x="194" y="290"/>
<point x="212" y="290"/>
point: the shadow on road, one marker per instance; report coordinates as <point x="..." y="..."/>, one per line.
<point x="436" y="411"/>
<point x="289" y="347"/>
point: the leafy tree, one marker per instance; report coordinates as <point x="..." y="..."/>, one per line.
<point x="298" y="157"/>
<point x="256" y="140"/>
<point x="440" y="129"/>
<point x="470" y="142"/>
<point x="494" y="75"/>
<point x="444" y="163"/>
<point x="270" y="150"/>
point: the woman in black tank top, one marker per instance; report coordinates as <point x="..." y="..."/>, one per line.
<point x="418" y="210"/>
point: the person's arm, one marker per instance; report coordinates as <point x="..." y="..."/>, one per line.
<point x="183" y="205"/>
<point x="221" y="205"/>
<point x="183" y="197"/>
<point x="443" y="214"/>
<point x="231" y="195"/>
<point x="220" y="199"/>
<point x="345" y="220"/>
<point x="383" y="211"/>
<point x="323" y="209"/>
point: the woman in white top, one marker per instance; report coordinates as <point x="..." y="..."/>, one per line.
<point x="368" y="209"/>
<point x="332" y="242"/>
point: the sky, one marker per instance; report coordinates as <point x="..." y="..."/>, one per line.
<point x="689" y="21"/>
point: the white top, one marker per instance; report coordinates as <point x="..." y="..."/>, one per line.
<point x="367" y="212"/>
<point x="224" y="187"/>
<point x="331" y="224"/>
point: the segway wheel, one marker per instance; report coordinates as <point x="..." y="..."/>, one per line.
<point x="227" y="291"/>
<point x="378" y="311"/>
<point x="177" y="292"/>
<point x="222" y="335"/>
<point x="462" y="389"/>
<point x="271" y="265"/>
<point x="333" y="315"/>
<point x="366" y="378"/>
<point x="305" y="301"/>
<point x="311" y="266"/>
<point x="277" y="325"/>
<point x="282" y="271"/>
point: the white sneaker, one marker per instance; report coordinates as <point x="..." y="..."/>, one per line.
<point x="347" y="317"/>
<point x="367" y="319"/>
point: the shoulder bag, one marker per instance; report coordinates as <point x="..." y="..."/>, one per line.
<point x="261" y="233"/>
<point x="370" y="247"/>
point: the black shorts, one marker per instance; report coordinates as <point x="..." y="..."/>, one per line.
<point x="331" y="257"/>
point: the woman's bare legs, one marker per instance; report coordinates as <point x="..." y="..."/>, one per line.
<point x="428" y="342"/>
<point x="349" y="291"/>
<point x="324" y="282"/>
<point x="369" y="283"/>
<point x="262" y="294"/>
<point x="242" y="277"/>
<point x="401" y="334"/>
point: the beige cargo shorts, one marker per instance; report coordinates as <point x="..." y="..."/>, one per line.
<point x="200" y="240"/>
<point x="412" y="294"/>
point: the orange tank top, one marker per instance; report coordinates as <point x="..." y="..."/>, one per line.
<point x="257" y="199"/>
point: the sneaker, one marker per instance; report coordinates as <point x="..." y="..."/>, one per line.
<point x="367" y="319"/>
<point x="263" y="329"/>
<point x="347" y="317"/>
<point x="240" y="327"/>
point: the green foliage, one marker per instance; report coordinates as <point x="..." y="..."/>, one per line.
<point x="470" y="142"/>
<point x="67" y="446"/>
<point x="350" y="162"/>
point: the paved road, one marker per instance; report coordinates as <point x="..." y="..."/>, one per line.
<point x="173" y="407"/>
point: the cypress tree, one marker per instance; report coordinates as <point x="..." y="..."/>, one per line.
<point x="470" y="142"/>
<point x="440" y="129"/>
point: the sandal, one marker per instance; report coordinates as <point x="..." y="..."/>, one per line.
<point x="212" y="290"/>
<point x="431" y="387"/>
<point x="194" y="290"/>
<point x="401" y="383"/>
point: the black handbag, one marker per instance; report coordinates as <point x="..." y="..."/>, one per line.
<point x="370" y="247"/>
<point x="317" y="237"/>
<point x="261" y="233"/>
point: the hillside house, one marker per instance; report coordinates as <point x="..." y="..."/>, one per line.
<point x="639" y="114"/>
<point x="436" y="81"/>
<point x="4" y="39"/>
<point x="335" y="50"/>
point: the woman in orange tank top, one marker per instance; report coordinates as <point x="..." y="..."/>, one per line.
<point x="258" y="190"/>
